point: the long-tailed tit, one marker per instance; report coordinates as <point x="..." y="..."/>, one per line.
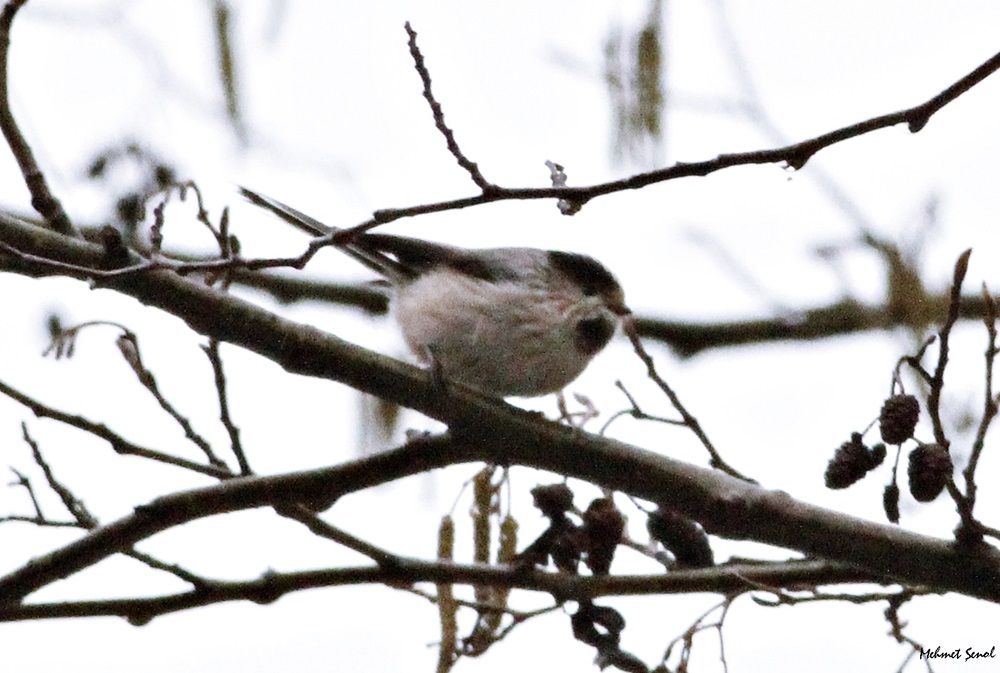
<point x="517" y="322"/>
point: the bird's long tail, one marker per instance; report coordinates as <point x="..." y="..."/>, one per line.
<point x="366" y="254"/>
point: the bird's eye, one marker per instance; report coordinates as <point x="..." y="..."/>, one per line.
<point x="593" y="334"/>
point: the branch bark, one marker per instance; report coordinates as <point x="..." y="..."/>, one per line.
<point x="724" y="505"/>
<point x="724" y="579"/>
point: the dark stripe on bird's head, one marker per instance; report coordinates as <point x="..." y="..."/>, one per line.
<point x="585" y="271"/>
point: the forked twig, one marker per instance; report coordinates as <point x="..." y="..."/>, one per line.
<point x="688" y="420"/>
<point x="438" y="112"/>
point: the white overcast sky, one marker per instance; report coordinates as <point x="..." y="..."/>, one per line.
<point x="337" y="127"/>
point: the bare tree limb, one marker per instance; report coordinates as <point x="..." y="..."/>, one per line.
<point x="438" y="112"/>
<point x="117" y="442"/>
<point x="724" y="505"/>
<point x="723" y="579"/>
<point x="795" y="156"/>
<point x="221" y="389"/>
<point x="83" y="518"/>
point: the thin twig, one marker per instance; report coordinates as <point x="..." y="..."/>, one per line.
<point x="319" y="527"/>
<point x="990" y="406"/>
<point x="785" y="598"/>
<point x="25" y="483"/>
<point x="686" y="639"/>
<point x="969" y="530"/>
<point x="163" y="264"/>
<point x="635" y="412"/>
<point x="42" y="199"/>
<point x="235" y="443"/>
<point x="197" y="581"/>
<point x="690" y="421"/>
<point x="40" y="523"/>
<point x="438" y="112"/>
<point x="128" y="344"/>
<point x="913" y="361"/>
<point x="273" y="585"/>
<point x="944" y="335"/>
<point x="896" y="627"/>
<point x="73" y="505"/>
<point x="117" y="442"/>
<point x="518" y="615"/>
<point x="83" y="518"/>
<point x="794" y="156"/>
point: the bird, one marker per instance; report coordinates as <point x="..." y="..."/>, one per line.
<point x="508" y="322"/>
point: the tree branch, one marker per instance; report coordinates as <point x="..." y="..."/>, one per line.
<point x="795" y="156"/>
<point x="117" y="442"/>
<point x="725" y="579"/>
<point x="438" y="113"/>
<point x="42" y="199"/>
<point x="724" y="505"/>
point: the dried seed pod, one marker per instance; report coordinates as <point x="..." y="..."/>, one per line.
<point x="929" y="470"/>
<point x="560" y="542"/>
<point x="553" y="499"/>
<point x="682" y="537"/>
<point x="890" y="502"/>
<point x="852" y="461"/>
<point x="603" y="525"/>
<point x="566" y="548"/>
<point x="447" y="605"/>
<point x="898" y="418"/>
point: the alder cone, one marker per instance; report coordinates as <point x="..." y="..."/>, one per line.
<point x="929" y="470"/>
<point x="852" y="461"/>
<point x="898" y="418"/>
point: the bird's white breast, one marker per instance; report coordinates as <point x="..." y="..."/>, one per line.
<point x="507" y="339"/>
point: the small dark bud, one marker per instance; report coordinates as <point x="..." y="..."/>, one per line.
<point x="130" y="209"/>
<point x="139" y="618"/>
<point x="898" y="418"/>
<point x="553" y="499"/>
<point x="852" y="461"/>
<point x="116" y="253"/>
<point x="53" y="323"/>
<point x="890" y="502"/>
<point x="98" y="167"/>
<point x="682" y="537"/>
<point x="929" y="471"/>
<point x="164" y="175"/>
